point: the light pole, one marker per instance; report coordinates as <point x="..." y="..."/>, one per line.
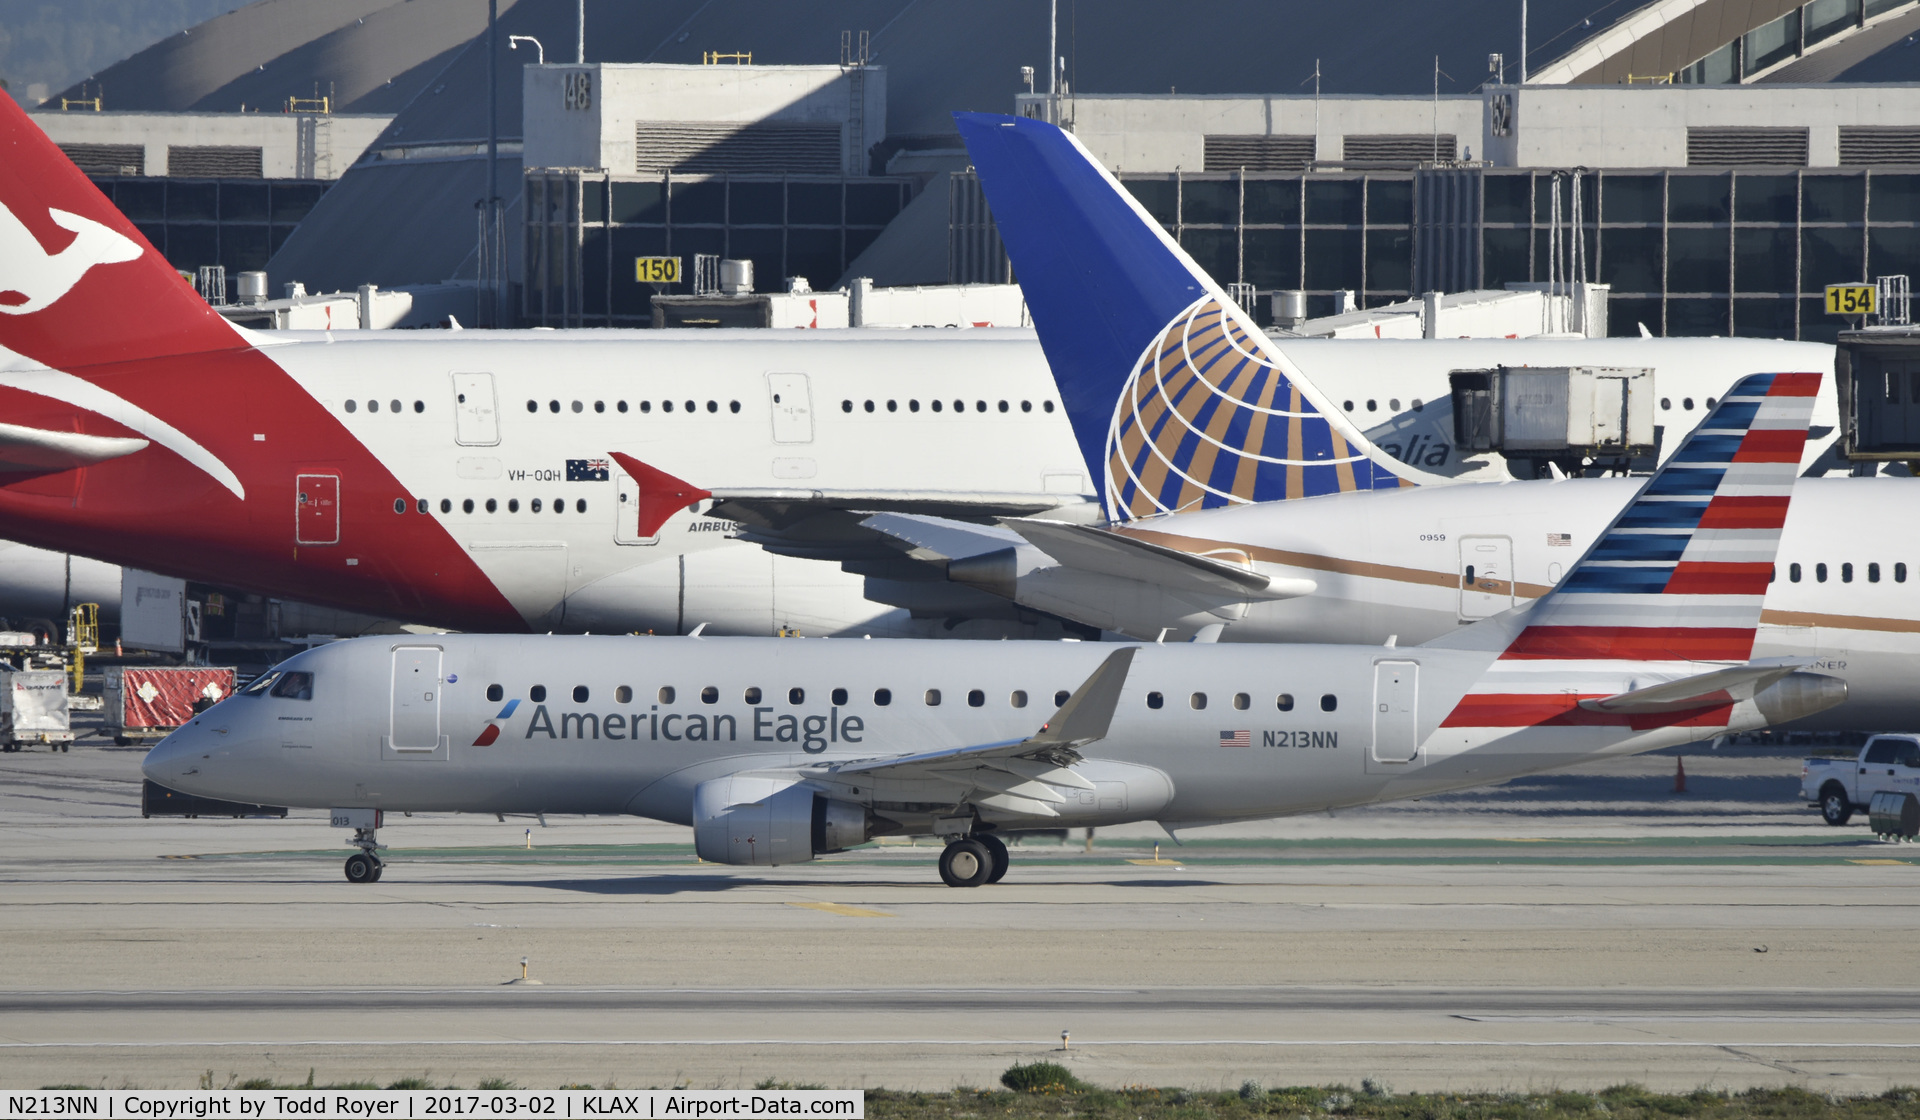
<point x="514" y="41"/>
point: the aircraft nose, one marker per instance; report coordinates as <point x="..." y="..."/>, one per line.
<point x="172" y="761"/>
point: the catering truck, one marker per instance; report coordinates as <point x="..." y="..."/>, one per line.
<point x="1839" y="786"/>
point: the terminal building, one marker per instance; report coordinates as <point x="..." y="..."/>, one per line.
<point x="1716" y="163"/>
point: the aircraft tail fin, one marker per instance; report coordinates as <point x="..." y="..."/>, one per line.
<point x="1177" y="399"/>
<point x="79" y="285"/>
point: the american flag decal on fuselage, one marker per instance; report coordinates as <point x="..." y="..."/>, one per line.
<point x="1236" y="738"/>
<point x="1678" y="577"/>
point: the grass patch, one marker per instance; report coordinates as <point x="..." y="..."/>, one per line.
<point x="1048" y="1091"/>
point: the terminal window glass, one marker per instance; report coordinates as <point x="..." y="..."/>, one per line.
<point x="1763" y="260"/>
<point x="1333" y="259"/>
<point x="1210" y="201"/>
<point x="1389" y="260"/>
<point x="702" y="202"/>
<point x="872" y="204"/>
<point x="1771" y="43"/>
<point x="1503" y="257"/>
<point x="1272" y="257"/>
<point x="1892" y="250"/>
<point x="1699" y="198"/>
<point x="814" y="204"/>
<point x="1895" y="198"/>
<point x="243" y="202"/>
<point x="1829" y="256"/>
<point x="1158" y="196"/>
<point x="1272" y="202"/>
<point x="198" y="202"/>
<point x="1832" y="198"/>
<point x="1334" y="202"/>
<point x="1390" y="202"/>
<point x="1765" y="198"/>
<point x="142" y="202"/>
<point x="1216" y="250"/>
<point x="1697" y="260"/>
<point x="760" y="204"/>
<point x="291" y="201"/>
<point x="1507" y="198"/>
<point x="1630" y="198"/>
<point x="1630" y="259"/>
<point x="1827" y="18"/>
<point x="1763" y="318"/>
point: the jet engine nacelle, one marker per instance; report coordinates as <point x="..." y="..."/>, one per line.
<point x="769" y="821"/>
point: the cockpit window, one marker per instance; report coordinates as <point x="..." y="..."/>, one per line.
<point x="261" y="683"/>
<point x="294" y="686"/>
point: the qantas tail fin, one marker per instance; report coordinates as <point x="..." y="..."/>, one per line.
<point x="79" y="285"/>
<point x="1177" y="398"/>
<point x="1681" y="572"/>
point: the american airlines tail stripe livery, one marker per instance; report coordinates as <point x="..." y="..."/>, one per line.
<point x="1211" y="413"/>
<point x="777" y="751"/>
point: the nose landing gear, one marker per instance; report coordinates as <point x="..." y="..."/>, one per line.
<point x="365" y="866"/>
<point x="974" y="860"/>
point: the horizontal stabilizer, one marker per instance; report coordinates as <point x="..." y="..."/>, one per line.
<point x="40" y="450"/>
<point x="1722" y="686"/>
<point x="1108" y="553"/>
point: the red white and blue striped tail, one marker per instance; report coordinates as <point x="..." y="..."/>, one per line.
<point x="1681" y="573"/>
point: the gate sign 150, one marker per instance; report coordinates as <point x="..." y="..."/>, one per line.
<point x="656" y="270"/>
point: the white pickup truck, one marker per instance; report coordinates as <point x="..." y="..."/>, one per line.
<point x="1838" y="786"/>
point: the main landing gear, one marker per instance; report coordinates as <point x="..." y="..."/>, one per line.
<point x="974" y="860"/>
<point x="364" y="866"/>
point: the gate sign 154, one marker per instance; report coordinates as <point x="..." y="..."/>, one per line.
<point x="656" y="270"/>
<point x="1850" y="299"/>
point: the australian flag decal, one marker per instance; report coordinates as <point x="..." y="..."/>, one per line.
<point x="587" y="470"/>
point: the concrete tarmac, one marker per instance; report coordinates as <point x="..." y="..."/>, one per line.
<point x="1573" y="930"/>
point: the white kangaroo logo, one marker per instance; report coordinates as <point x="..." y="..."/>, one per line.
<point x="32" y="279"/>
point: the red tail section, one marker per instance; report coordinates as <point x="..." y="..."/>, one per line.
<point x="79" y="285"/>
<point x="660" y="493"/>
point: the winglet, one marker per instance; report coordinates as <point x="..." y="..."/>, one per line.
<point x="1088" y="713"/>
<point x="660" y="493"/>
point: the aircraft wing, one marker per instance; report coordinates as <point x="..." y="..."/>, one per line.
<point x="40" y="450"/>
<point x="1086" y="548"/>
<point x="1019" y="775"/>
<point x="1721" y="686"/>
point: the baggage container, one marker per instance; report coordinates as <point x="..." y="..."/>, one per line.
<point x="157" y="800"/>
<point x="33" y="709"/>
<point x="148" y="703"/>
<point x="1894" y="815"/>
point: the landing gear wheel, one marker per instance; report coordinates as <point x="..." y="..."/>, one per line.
<point x="965" y="863"/>
<point x="362" y="868"/>
<point x="379" y="869"/>
<point x="1835" y="809"/>
<point x="997" y="849"/>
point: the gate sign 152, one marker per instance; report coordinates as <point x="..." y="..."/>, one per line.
<point x="656" y="270"/>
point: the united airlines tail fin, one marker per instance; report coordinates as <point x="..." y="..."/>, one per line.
<point x="79" y="285"/>
<point x="1681" y="573"/>
<point x="1177" y="399"/>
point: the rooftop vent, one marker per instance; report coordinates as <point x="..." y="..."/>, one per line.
<point x="1727" y="147"/>
<point x="1863" y="144"/>
<point x="1420" y="148"/>
<point x="771" y="146"/>
<point x="1259" y="153"/>
<point x="108" y="159"/>
<point x="213" y="162"/>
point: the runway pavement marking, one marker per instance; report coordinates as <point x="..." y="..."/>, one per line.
<point x="1882" y="862"/>
<point x="843" y="911"/>
<point x="1289" y="1043"/>
<point x="1156" y="862"/>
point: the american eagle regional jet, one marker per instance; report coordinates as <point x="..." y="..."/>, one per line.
<point x="777" y="751"/>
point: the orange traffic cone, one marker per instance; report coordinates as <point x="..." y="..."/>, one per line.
<point x="1680" y="775"/>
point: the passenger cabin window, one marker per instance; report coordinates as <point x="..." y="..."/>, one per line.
<point x="710" y="695"/>
<point x="537" y="694"/>
<point x="495" y="693"/>
<point x="1793" y="573"/>
<point x="1198" y="701"/>
<point x="882" y="697"/>
<point x="666" y="694"/>
<point x="1156" y="701"/>
<point x="1329" y="702"/>
<point x="1060" y="698"/>
<point x="839" y="697"/>
<point x="1846" y="573"/>
<point x="1241" y="701"/>
<point x="933" y="697"/>
<point x="580" y="693"/>
<point x="1873" y="572"/>
<point x="1899" y="573"/>
<point x="623" y="694"/>
<point x="976" y="698"/>
<point x="1284" y="702"/>
<point x="1820" y="573"/>
<point x="751" y="695"/>
<point x="1018" y="699"/>
<point x="796" y="696"/>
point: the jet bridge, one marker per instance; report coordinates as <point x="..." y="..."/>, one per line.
<point x="1877" y="374"/>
